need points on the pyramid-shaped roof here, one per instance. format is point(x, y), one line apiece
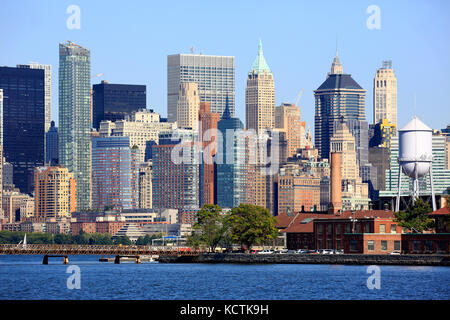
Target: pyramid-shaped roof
point(260, 64)
point(339, 81)
point(415, 125)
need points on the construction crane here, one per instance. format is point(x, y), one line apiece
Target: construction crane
point(299, 96)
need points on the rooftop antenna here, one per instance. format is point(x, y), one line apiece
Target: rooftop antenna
point(192, 49)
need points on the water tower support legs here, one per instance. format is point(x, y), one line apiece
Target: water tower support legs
point(399, 185)
point(433, 199)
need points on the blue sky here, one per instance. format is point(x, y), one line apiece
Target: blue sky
point(130, 40)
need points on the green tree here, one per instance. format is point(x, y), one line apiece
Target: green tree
point(415, 217)
point(252, 225)
point(123, 241)
point(210, 229)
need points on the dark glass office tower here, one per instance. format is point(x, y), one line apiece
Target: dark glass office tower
point(114, 101)
point(339, 98)
point(23, 122)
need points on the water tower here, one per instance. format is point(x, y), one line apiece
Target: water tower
point(415, 156)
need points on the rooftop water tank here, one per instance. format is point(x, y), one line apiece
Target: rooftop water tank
point(415, 148)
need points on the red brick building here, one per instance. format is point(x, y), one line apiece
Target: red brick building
point(359, 232)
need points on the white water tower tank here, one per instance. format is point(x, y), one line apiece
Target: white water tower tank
point(415, 148)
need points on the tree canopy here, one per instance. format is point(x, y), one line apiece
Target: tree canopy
point(252, 225)
point(415, 217)
point(211, 229)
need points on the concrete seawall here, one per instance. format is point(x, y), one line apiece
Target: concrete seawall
point(355, 259)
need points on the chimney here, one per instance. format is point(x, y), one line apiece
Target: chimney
point(336, 182)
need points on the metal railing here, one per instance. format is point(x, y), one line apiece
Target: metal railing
point(74, 249)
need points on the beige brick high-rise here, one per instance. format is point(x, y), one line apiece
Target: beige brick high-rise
point(355, 193)
point(55, 192)
point(385, 94)
point(260, 95)
point(188, 106)
point(288, 118)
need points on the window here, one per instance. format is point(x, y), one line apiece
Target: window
point(416, 245)
point(397, 245)
point(370, 245)
point(353, 245)
point(383, 245)
point(393, 228)
point(429, 245)
point(320, 228)
point(382, 228)
point(347, 228)
point(329, 244)
point(367, 228)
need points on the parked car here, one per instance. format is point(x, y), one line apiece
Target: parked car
point(291, 252)
point(265, 251)
point(301, 251)
point(339, 251)
point(253, 251)
point(326, 251)
point(396, 252)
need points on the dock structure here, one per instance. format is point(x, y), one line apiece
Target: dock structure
point(133, 251)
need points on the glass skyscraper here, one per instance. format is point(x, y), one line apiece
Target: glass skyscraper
point(115, 174)
point(23, 122)
point(213, 74)
point(75, 117)
point(339, 98)
point(231, 163)
point(114, 101)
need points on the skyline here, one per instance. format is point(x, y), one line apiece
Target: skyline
point(410, 35)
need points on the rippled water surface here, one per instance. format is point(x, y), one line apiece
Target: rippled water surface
point(24, 277)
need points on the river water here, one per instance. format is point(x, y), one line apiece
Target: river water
point(24, 277)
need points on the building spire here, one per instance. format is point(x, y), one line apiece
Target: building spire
point(260, 64)
point(336, 66)
point(226, 113)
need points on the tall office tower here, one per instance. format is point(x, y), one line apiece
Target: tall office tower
point(260, 95)
point(344, 142)
point(75, 117)
point(51, 145)
point(213, 74)
point(143, 128)
point(385, 94)
point(55, 195)
point(339, 98)
point(145, 185)
point(231, 163)
point(208, 122)
point(47, 88)
point(288, 118)
point(175, 183)
point(115, 174)
point(114, 101)
point(23, 122)
point(188, 106)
